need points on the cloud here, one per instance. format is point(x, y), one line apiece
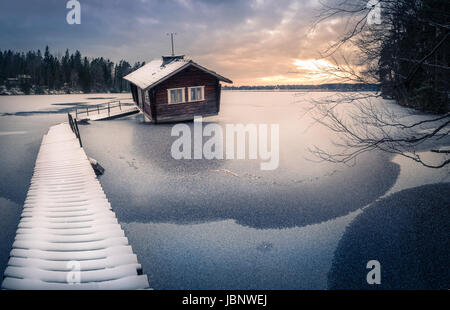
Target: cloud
point(247, 41)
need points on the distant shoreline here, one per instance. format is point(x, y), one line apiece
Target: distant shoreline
point(227, 90)
point(298, 90)
point(62, 94)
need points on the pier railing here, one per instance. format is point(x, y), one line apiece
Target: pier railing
point(97, 109)
point(74, 126)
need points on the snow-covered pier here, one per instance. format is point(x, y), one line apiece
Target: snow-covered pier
point(105, 111)
point(68, 236)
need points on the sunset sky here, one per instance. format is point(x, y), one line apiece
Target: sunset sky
point(255, 42)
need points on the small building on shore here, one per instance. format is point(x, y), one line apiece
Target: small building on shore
point(175, 88)
point(21, 79)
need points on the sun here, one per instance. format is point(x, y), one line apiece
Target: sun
point(305, 71)
point(312, 65)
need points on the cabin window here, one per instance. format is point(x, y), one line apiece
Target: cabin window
point(176, 95)
point(196, 93)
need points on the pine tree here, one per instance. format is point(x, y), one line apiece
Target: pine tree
point(69, 72)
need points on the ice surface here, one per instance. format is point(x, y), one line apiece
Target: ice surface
point(191, 225)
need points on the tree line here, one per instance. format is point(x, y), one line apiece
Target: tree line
point(414, 57)
point(70, 72)
point(406, 50)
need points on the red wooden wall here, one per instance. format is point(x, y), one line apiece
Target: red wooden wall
point(189, 77)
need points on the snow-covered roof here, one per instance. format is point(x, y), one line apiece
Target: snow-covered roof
point(159, 70)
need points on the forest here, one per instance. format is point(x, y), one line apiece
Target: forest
point(405, 50)
point(35, 73)
point(414, 60)
point(406, 53)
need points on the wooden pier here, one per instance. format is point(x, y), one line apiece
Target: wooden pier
point(104, 111)
point(68, 236)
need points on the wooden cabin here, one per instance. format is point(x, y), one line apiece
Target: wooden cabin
point(174, 88)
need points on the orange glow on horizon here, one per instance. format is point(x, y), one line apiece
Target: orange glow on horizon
point(304, 71)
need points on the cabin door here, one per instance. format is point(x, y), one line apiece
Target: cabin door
point(146, 100)
point(140, 100)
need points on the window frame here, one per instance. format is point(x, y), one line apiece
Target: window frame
point(183, 97)
point(202, 92)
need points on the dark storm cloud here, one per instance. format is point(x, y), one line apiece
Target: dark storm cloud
point(246, 40)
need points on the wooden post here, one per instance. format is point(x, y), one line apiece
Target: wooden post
point(108, 110)
point(70, 120)
point(87, 111)
point(98, 109)
point(77, 134)
point(120, 107)
point(76, 112)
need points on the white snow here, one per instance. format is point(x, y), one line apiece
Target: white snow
point(67, 217)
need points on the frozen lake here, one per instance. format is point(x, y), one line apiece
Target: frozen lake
point(212, 224)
